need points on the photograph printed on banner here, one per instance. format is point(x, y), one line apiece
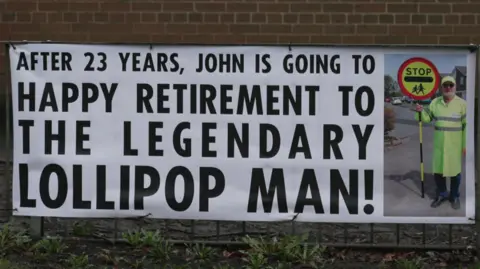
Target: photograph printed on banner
point(425, 135)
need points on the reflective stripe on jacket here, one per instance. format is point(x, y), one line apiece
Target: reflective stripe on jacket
point(449, 137)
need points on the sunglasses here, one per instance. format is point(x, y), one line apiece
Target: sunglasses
point(448, 85)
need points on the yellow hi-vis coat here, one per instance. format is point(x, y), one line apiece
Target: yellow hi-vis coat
point(449, 135)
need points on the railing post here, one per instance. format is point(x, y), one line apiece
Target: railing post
point(477, 150)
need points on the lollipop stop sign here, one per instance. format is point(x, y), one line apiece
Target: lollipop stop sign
point(418, 78)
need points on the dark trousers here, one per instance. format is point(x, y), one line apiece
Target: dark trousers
point(441, 183)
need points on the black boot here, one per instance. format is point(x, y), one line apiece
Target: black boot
point(455, 191)
point(438, 201)
point(442, 193)
point(456, 203)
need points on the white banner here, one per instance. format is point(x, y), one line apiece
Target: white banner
point(241, 133)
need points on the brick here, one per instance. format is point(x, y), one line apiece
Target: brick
point(9, 17)
point(215, 18)
point(370, 19)
point(261, 18)
point(52, 6)
point(81, 6)
point(55, 28)
point(119, 38)
point(436, 30)
point(178, 6)
point(197, 39)
point(70, 17)
point(338, 8)
point(403, 30)
point(195, 17)
point(467, 19)
point(69, 37)
point(23, 17)
point(178, 29)
point(403, 19)
point(323, 18)
point(85, 17)
point(149, 17)
point(435, 19)
point(265, 39)
point(28, 28)
point(370, 8)
point(55, 17)
point(435, 8)
point(161, 17)
point(278, 29)
point(325, 39)
point(290, 18)
point(242, 18)
point(140, 28)
point(229, 39)
point(354, 18)
point(146, 6)
point(209, 7)
point(339, 29)
point(452, 19)
point(136, 17)
point(371, 29)
point(242, 7)
point(466, 29)
point(101, 17)
point(419, 19)
point(245, 28)
point(338, 18)
point(466, 8)
point(164, 38)
point(308, 29)
point(116, 6)
point(355, 39)
point(402, 8)
point(292, 39)
point(306, 7)
point(19, 36)
point(21, 6)
point(386, 18)
point(39, 17)
point(117, 18)
point(177, 17)
point(223, 18)
point(277, 18)
point(390, 39)
point(455, 40)
point(421, 40)
point(102, 28)
point(212, 28)
point(264, 7)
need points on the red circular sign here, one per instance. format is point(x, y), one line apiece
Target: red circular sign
point(418, 78)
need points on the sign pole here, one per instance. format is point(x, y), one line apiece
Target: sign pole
point(419, 79)
point(422, 171)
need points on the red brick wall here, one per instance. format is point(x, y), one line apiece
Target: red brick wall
point(242, 21)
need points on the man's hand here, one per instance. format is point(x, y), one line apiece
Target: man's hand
point(418, 108)
point(464, 151)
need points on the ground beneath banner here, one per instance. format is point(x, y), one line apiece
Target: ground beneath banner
point(142, 248)
point(53, 254)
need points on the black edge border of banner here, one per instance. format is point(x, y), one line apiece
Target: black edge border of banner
point(471, 47)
